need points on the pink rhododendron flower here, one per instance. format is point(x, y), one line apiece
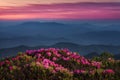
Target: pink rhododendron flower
point(54, 59)
point(68, 53)
point(108, 71)
point(11, 68)
point(96, 64)
point(66, 58)
point(48, 53)
point(7, 62)
point(2, 63)
point(79, 71)
point(53, 71)
point(38, 63)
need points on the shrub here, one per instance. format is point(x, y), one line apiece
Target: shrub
point(57, 64)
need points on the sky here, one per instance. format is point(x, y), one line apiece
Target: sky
point(59, 9)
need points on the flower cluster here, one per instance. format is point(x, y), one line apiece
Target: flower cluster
point(48, 63)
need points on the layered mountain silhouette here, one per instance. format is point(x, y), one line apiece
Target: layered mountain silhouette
point(34, 33)
point(94, 37)
point(88, 51)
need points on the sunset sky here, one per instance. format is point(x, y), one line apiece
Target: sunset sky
point(59, 9)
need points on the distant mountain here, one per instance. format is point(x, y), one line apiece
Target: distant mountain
point(33, 23)
point(82, 49)
point(65, 45)
point(33, 28)
point(33, 33)
point(14, 51)
point(115, 27)
point(99, 37)
point(91, 55)
point(52, 29)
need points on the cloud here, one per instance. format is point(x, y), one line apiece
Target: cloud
point(62, 11)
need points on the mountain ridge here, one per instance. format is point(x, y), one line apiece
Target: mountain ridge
point(82, 49)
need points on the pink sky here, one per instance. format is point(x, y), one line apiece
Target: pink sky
point(72, 10)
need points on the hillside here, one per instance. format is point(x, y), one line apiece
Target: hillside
point(57, 64)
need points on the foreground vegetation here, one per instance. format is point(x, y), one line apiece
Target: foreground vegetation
point(58, 64)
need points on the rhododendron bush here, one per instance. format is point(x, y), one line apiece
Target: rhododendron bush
point(57, 64)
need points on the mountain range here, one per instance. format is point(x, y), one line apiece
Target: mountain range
point(87, 50)
point(33, 33)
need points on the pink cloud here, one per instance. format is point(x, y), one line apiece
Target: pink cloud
point(63, 11)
